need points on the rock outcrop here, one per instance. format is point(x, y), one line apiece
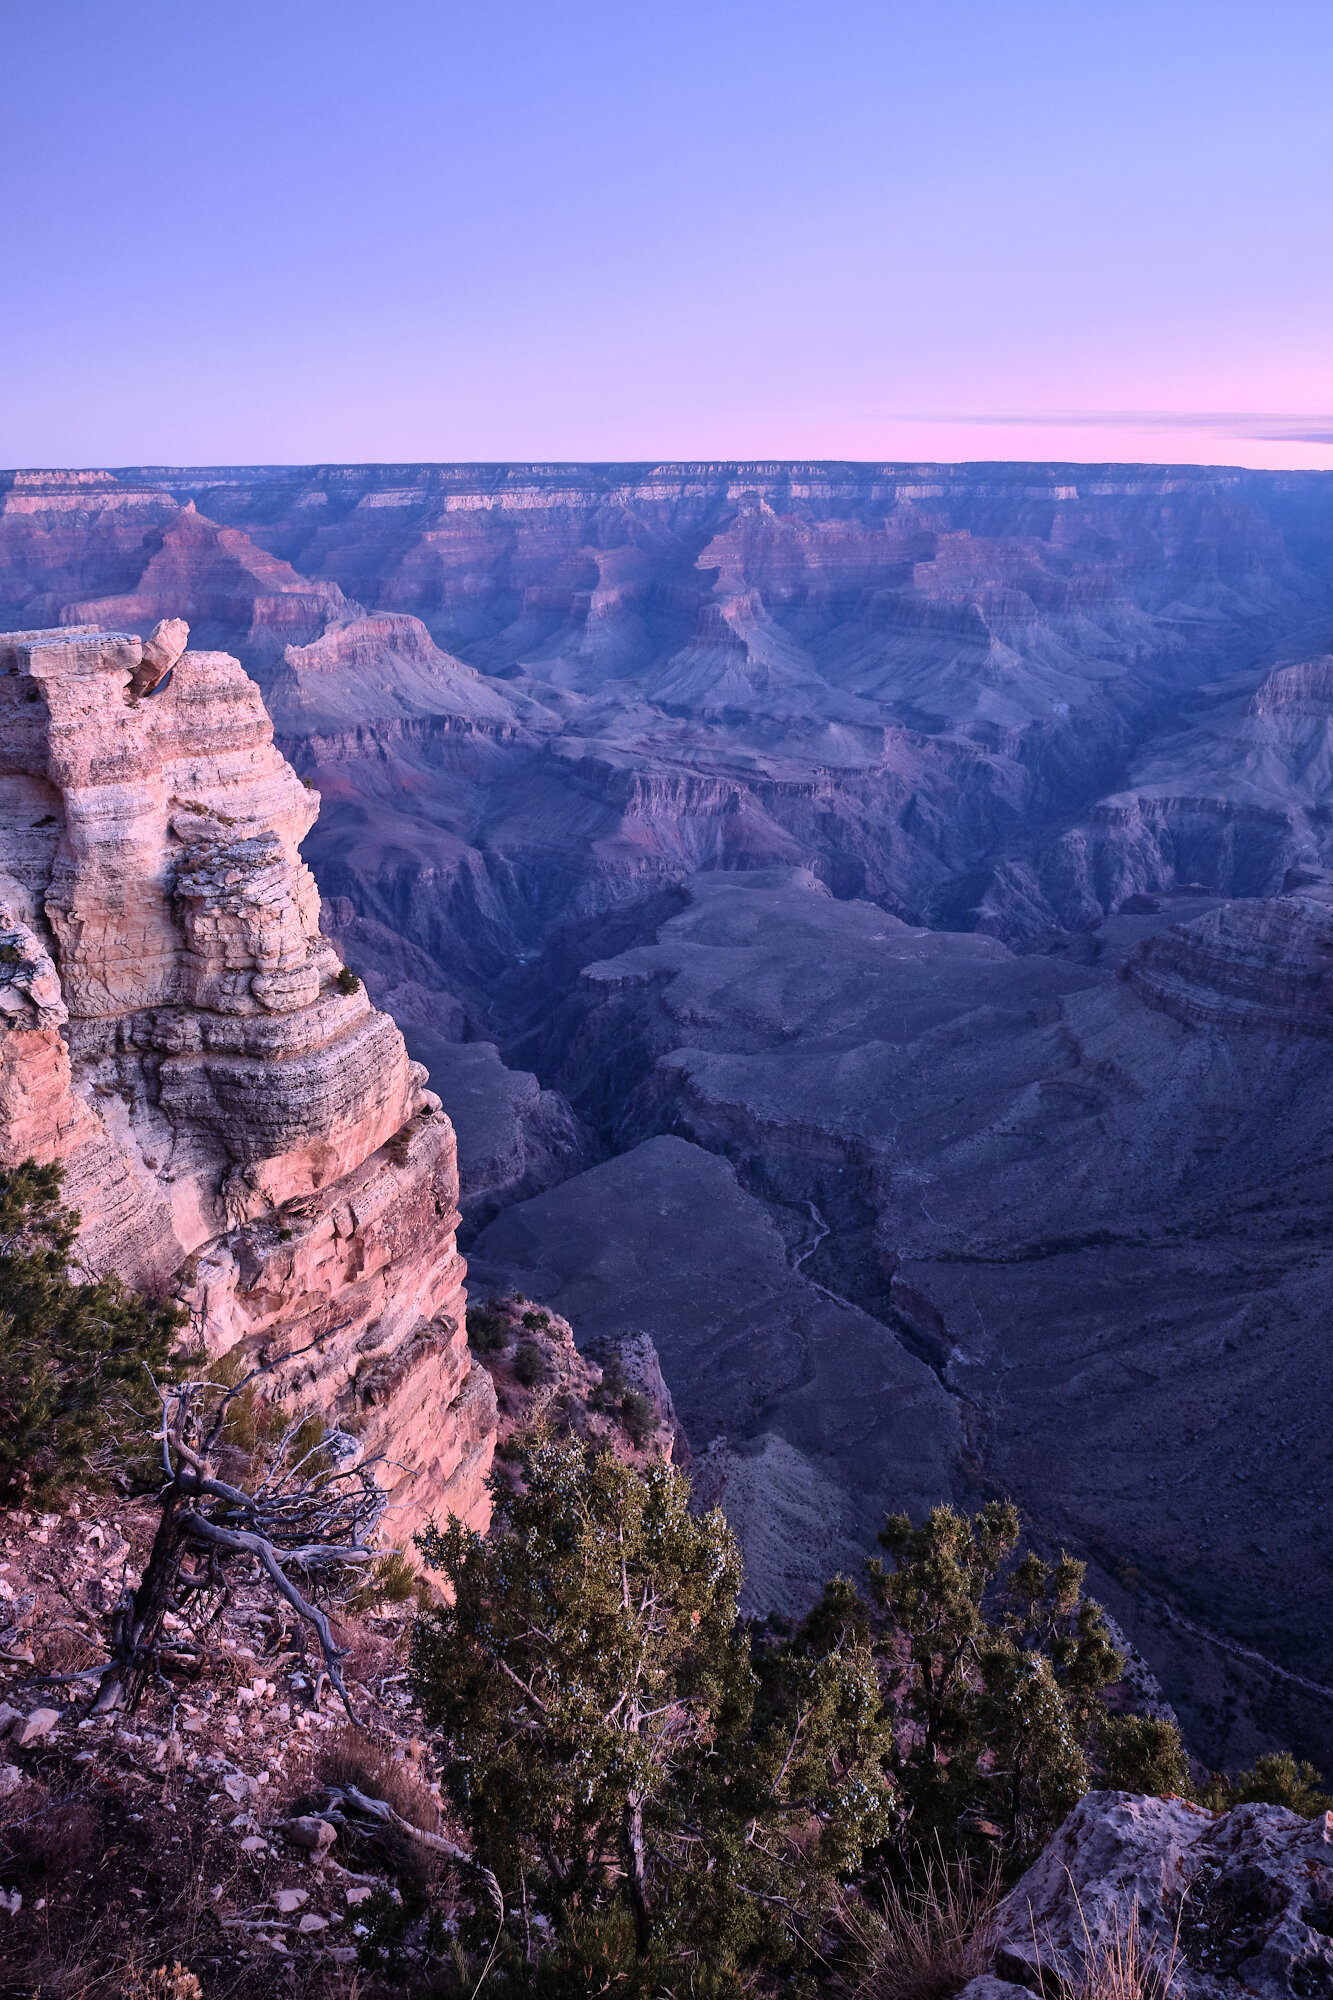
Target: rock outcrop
point(1223, 1905)
point(1265, 965)
point(234, 1117)
point(222, 582)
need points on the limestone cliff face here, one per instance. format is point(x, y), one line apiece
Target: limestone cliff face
point(172, 1028)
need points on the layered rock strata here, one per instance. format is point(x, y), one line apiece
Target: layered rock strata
point(1264, 964)
point(235, 1119)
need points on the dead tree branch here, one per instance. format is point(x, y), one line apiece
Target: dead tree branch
point(310, 1506)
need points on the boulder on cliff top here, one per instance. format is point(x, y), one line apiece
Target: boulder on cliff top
point(1216, 1902)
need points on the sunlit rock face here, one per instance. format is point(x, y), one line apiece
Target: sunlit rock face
point(176, 1033)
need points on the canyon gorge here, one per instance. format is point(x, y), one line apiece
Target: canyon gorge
point(870, 929)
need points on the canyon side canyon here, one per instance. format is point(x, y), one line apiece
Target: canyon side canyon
point(869, 927)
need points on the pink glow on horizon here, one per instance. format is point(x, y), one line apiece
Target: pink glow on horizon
point(568, 229)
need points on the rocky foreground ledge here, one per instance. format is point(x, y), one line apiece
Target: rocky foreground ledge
point(1217, 1904)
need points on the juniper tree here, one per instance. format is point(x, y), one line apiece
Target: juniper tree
point(999, 1669)
point(610, 1733)
point(77, 1357)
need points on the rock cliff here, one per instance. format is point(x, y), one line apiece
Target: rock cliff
point(235, 1118)
point(1262, 964)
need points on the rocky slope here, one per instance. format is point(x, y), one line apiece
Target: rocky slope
point(200, 1831)
point(235, 1119)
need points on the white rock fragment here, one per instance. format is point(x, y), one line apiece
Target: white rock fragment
point(33, 1727)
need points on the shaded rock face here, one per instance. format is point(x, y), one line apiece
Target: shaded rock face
point(1232, 1903)
point(1100, 1228)
point(173, 1031)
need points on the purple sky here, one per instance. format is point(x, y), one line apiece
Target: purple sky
point(285, 230)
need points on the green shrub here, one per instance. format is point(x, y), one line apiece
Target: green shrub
point(76, 1394)
point(529, 1366)
point(1274, 1780)
point(638, 1415)
point(536, 1321)
point(488, 1329)
point(346, 980)
point(1142, 1753)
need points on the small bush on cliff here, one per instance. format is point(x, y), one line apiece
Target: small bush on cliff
point(75, 1357)
point(487, 1329)
point(529, 1366)
point(638, 1415)
point(346, 980)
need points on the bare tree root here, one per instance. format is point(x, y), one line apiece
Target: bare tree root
point(351, 1809)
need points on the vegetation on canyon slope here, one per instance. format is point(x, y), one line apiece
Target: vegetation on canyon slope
point(631, 1758)
point(666, 1798)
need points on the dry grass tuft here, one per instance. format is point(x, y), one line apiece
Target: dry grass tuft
point(165, 1982)
point(1123, 1966)
point(63, 1650)
point(927, 1940)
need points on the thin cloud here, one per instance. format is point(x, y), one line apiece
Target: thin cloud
point(1271, 424)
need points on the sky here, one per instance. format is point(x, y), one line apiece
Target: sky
point(284, 231)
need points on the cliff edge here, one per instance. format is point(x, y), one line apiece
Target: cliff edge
point(237, 1123)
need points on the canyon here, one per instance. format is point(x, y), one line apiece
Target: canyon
point(871, 928)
